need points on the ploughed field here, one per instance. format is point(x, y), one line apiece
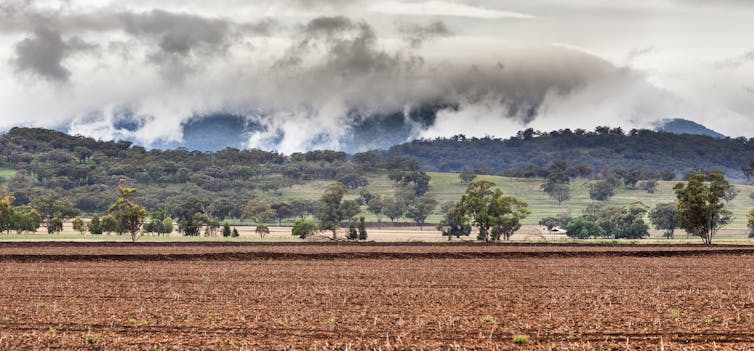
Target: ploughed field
point(183, 296)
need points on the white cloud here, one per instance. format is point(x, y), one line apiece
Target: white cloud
point(441, 8)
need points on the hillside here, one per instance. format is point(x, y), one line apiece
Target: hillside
point(85, 172)
point(447, 187)
point(684, 126)
point(600, 149)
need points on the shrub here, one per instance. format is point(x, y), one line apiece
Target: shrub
point(303, 229)
point(581, 228)
point(520, 339)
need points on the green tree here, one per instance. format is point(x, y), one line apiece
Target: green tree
point(283, 210)
point(549, 222)
point(6, 213)
point(376, 206)
point(50, 205)
point(95, 227)
point(701, 211)
point(393, 208)
point(334, 210)
point(650, 186)
point(362, 229)
point(601, 190)
point(226, 230)
point(475, 204)
point(235, 233)
point(167, 225)
point(663, 217)
point(508, 212)
point(262, 230)
point(353, 234)
point(455, 223)
point(213, 224)
point(750, 222)
point(259, 212)
point(55, 226)
point(129, 215)
point(110, 225)
point(25, 219)
point(581, 228)
point(79, 225)
point(495, 215)
point(304, 229)
point(730, 193)
point(467, 177)
point(420, 208)
point(558, 192)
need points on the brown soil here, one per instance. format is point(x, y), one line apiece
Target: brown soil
point(191, 296)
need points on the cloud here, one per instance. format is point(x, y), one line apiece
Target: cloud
point(416, 34)
point(355, 74)
point(442, 8)
point(736, 62)
point(43, 54)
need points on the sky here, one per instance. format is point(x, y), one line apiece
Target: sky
point(308, 73)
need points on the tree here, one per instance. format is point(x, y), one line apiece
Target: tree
point(304, 229)
point(130, 216)
point(259, 212)
point(167, 225)
point(420, 209)
point(393, 208)
point(55, 225)
point(283, 210)
point(110, 225)
point(730, 193)
point(650, 186)
point(581, 228)
point(95, 227)
point(262, 230)
point(750, 222)
point(467, 177)
point(301, 208)
point(558, 192)
point(235, 233)
point(25, 219)
point(508, 212)
point(455, 223)
point(362, 229)
point(494, 214)
point(334, 210)
point(49, 206)
point(353, 234)
point(226, 230)
point(79, 225)
point(6, 213)
point(475, 204)
point(376, 206)
point(549, 222)
point(701, 211)
point(663, 217)
point(601, 190)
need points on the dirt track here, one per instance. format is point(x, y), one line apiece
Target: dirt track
point(410, 296)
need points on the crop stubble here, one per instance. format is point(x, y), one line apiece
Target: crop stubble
point(181, 296)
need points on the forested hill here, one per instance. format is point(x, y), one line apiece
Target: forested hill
point(600, 149)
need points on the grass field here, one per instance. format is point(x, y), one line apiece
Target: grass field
point(447, 187)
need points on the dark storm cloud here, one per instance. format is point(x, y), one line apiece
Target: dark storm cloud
point(416, 34)
point(43, 54)
point(178, 43)
point(349, 47)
